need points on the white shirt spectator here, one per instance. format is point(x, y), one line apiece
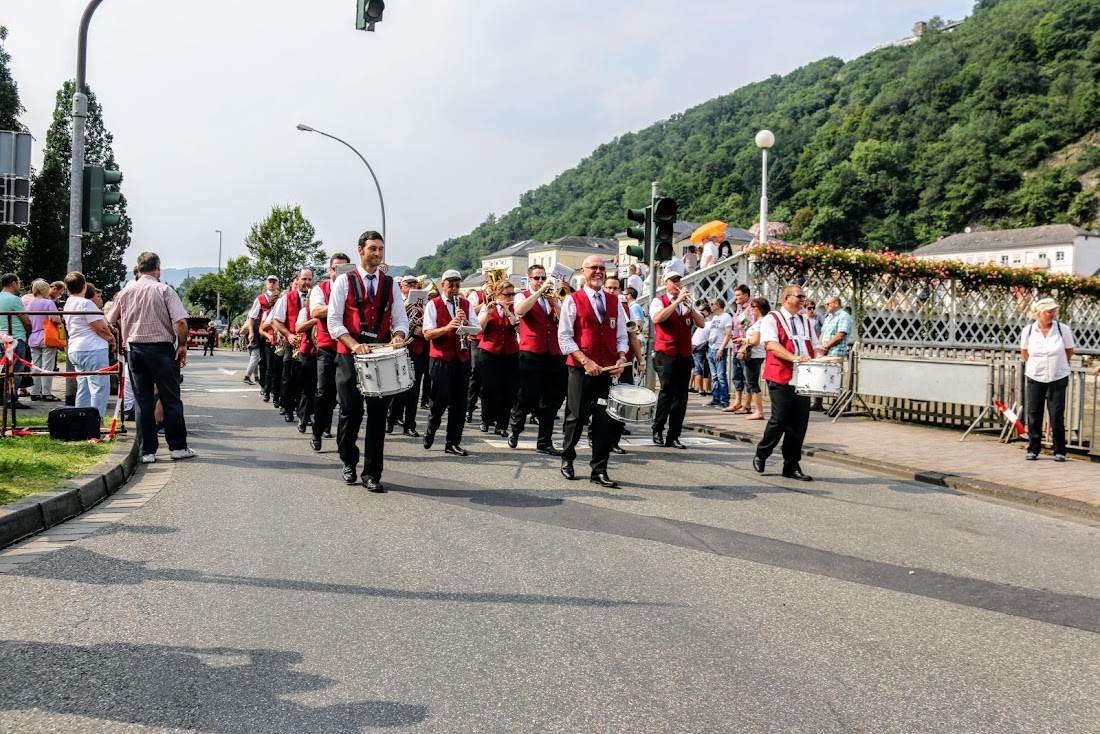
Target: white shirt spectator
point(718, 327)
point(568, 317)
point(797, 327)
point(699, 337)
point(759, 351)
point(635, 281)
point(82, 337)
point(710, 255)
point(399, 319)
point(1047, 360)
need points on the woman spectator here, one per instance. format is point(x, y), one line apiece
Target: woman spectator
point(43, 357)
point(90, 341)
point(1046, 347)
point(752, 365)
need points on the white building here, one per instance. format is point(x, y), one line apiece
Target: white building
point(1055, 248)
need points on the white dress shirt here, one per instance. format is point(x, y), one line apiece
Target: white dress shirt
point(658, 305)
point(317, 298)
point(399, 319)
point(1046, 355)
point(797, 328)
point(566, 339)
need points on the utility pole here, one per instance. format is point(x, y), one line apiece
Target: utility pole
point(80, 113)
point(218, 308)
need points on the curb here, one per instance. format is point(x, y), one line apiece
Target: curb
point(925, 476)
point(31, 515)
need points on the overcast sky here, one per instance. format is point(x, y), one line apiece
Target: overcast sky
point(460, 107)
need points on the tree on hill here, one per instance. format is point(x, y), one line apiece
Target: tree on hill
point(283, 243)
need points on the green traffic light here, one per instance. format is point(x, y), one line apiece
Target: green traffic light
point(643, 217)
point(367, 13)
point(96, 196)
point(664, 217)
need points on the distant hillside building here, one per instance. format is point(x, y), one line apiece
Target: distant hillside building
point(1056, 248)
point(571, 251)
point(918, 30)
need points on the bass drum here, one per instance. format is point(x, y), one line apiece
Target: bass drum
point(385, 371)
point(631, 404)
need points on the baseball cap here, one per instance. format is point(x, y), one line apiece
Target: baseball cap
point(452, 275)
point(273, 277)
point(411, 279)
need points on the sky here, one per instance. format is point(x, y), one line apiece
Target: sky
point(459, 107)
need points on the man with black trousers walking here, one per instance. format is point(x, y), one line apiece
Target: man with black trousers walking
point(325, 402)
point(542, 375)
point(449, 363)
point(673, 316)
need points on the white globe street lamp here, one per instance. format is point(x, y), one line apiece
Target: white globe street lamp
point(764, 140)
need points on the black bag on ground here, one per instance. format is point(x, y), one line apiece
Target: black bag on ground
point(73, 424)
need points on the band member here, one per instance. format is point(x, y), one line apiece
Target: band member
point(366, 308)
point(449, 365)
point(542, 374)
point(789, 337)
point(261, 307)
point(285, 321)
point(477, 301)
point(592, 332)
point(673, 316)
point(326, 354)
point(306, 327)
point(403, 408)
point(499, 358)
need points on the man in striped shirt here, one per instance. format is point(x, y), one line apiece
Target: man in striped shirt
point(154, 328)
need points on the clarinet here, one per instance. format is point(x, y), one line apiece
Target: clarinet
point(462, 345)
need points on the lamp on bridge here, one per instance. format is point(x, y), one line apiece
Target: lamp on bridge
point(764, 140)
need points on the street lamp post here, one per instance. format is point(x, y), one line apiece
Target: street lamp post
point(764, 140)
point(381, 203)
point(218, 308)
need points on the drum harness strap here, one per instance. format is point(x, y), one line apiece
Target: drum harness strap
point(360, 300)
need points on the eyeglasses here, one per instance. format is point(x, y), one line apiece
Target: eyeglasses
point(611, 288)
point(537, 277)
point(799, 296)
point(511, 294)
point(594, 267)
point(810, 308)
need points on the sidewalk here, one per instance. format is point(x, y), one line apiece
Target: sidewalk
point(934, 455)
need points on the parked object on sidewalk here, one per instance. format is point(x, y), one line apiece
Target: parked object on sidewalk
point(73, 424)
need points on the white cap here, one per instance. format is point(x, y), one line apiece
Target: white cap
point(273, 277)
point(452, 275)
point(409, 278)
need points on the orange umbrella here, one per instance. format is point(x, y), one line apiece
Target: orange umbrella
point(710, 229)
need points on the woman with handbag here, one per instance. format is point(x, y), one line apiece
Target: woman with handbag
point(45, 338)
point(751, 353)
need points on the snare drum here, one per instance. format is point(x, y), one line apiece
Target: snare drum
point(817, 378)
point(385, 371)
point(631, 404)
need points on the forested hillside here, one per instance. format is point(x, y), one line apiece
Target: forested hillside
point(993, 124)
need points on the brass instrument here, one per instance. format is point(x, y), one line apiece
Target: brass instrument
point(415, 311)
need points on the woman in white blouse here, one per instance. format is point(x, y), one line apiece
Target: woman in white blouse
point(1046, 347)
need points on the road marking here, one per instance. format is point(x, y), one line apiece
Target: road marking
point(218, 389)
point(225, 371)
point(639, 443)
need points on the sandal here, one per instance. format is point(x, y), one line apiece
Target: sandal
point(736, 407)
point(729, 410)
point(755, 417)
point(49, 398)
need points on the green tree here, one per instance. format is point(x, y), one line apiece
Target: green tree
point(48, 233)
point(284, 242)
point(12, 242)
point(235, 285)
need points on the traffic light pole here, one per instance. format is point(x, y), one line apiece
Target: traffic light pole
point(650, 376)
point(80, 114)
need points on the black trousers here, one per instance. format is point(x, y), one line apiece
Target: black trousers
point(325, 402)
point(789, 419)
point(1053, 395)
point(586, 398)
point(155, 365)
point(403, 408)
point(542, 387)
point(450, 382)
point(672, 401)
point(475, 379)
point(273, 380)
point(426, 385)
point(288, 392)
point(352, 404)
point(307, 386)
point(499, 382)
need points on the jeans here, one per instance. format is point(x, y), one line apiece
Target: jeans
point(719, 382)
point(739, 378)
point(91, 391)
point(699, 360)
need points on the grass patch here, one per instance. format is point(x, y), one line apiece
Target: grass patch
point(30, 464)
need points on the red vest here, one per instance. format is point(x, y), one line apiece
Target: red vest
point(538, 331)
point(598, 341)
point(370, 312)
point(499, 336)
point(324, 339)
point(446, 347)
point(673, 335)
point(265, 309)
point(780, 370)
point(294, 306)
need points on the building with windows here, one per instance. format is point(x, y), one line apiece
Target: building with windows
point(1055, 248)
point(571, 252)
point(512, 258)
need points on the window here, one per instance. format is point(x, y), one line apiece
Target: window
point(1004, 259)
point(1042, 256)
point(1059, 256)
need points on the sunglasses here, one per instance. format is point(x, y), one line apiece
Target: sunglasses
point(537, 277)
point(594, 267)
point(799, 296)
point(511, 294)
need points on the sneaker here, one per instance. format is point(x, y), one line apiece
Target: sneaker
point(148, 458)
point(248, 380)
point(1031, 457)
point(183, 454)
point(1059, 457)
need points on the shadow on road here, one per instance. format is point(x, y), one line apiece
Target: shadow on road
point(193, 689)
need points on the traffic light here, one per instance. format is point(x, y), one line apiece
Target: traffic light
point(97, 196)
point(664, 216)
point(368, 12)
point(644, 217)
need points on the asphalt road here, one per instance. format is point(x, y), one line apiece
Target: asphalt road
point(258, 593)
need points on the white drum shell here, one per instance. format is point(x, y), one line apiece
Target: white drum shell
point(385, 371)
point(631, 404)
point(818, 379)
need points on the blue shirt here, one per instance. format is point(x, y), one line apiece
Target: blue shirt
point(12, 302)
point(841, 321)
point(637, 313)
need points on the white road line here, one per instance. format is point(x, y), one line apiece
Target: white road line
point(638, 443)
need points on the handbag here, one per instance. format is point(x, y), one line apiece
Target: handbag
point(54, 335)
point(744, 353)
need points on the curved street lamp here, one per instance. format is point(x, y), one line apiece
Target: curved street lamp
point(765, 139)
point(381, 203)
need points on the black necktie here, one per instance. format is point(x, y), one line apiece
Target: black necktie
point(370, 286)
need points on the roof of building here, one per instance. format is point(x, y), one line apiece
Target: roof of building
point(999, 239)
point(576, 242)
point(518, 249)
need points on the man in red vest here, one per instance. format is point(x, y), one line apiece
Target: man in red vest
point(261, 307)
point(285, 320)
point(592, 332)
point(542, 375)
point(789, 337)
point(449, 365)
point(403, 409)
point(365, 308)
point(673, 317)
point(325, 402)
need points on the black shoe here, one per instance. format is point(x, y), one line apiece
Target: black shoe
point(411, 433)
point(289, 417)
point(373, 485)
point(266, 397)
point(513, 440)
point(248, 380)
point(129, 415)
point(301, 427)
point(429, 438)
point(425, 405)
point(469, 417)
point(603, 480)
point(18, 406)
point(567, 470)
point(674, 443)
point(758, 464)
point(797, 474)
point(659, 438)
point(389, 428)
point(549, 450)
point(616, 449)
point(625, 432)
point(327, 434)
point(315, 443)
point(349, 474)
point(455, 450)
point(484, 427)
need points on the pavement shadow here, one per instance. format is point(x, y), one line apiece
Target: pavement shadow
point(116, 528)
point(187, 688)
point(79, 565)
